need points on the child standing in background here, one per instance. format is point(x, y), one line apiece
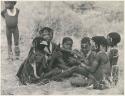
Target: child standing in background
point(10, 14)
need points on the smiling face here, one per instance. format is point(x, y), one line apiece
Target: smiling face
point(85, 47)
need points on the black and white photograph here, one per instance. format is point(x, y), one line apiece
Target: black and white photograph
point(62, 47)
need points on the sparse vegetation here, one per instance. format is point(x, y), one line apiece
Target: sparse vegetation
point(75, 19)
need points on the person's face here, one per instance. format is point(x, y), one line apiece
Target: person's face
point(9, 5)
point(68, 45)
point(93, 45)
point(109, 40)
point(85, 47)
point(47, 36)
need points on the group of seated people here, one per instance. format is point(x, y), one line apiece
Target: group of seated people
point(95, 62)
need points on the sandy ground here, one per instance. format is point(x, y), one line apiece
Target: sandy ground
point(9, 81)
point(10, 84)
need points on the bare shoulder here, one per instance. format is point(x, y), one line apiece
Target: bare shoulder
point(102, 56)
point(3, 11)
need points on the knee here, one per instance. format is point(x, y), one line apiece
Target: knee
point(74, 68)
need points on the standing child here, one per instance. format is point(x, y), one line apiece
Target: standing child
point(64, 58)
point(10, 14)
point(113, 39)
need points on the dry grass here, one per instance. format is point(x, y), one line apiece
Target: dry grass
point(102, 18)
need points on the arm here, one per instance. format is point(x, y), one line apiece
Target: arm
point(66, 50)
point(62, 64)
point(3, 13)
point(34, 70)
point(94, 64)
point(17, 10)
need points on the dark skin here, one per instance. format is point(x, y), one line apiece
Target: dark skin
point(67, 46)
point(68, 71)
point(48, 36)
point(86, 47)
point(9, 5)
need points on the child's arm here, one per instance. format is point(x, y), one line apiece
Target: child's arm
point(3, 13)
point(66, 50)
point(62, 64)
point(34, 70)
point(18, 11)
point(94, 65)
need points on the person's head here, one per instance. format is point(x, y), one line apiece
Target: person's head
point(67, 43)
point(9, 4)
point(100, 43)
point(93, 45)
point(113, 39)
point(46, 33)
point(85, 45)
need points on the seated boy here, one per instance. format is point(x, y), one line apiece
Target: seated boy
point(113, 39)
point(63, 58)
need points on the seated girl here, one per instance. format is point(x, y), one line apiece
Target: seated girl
point(36, 62)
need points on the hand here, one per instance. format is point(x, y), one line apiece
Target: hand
point(49, 58)
point(36, 76)
point(83, 65)
point(72, 60)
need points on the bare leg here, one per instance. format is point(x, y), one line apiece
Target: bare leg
point(16, 42)
point(9, 41)
point(65, 74)
point(52, 73)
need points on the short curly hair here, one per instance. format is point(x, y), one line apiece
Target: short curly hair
point(115, 38)
point(100, 40)
point(47, 29)
point(65, 39)
point(14, 2)
point(85, 40)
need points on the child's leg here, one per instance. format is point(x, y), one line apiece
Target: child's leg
point(52, 73)
point(16, 41)
point(92, 79)
point(9, 41)
point(115, 73)
point(65, 74)
point(83, 71)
